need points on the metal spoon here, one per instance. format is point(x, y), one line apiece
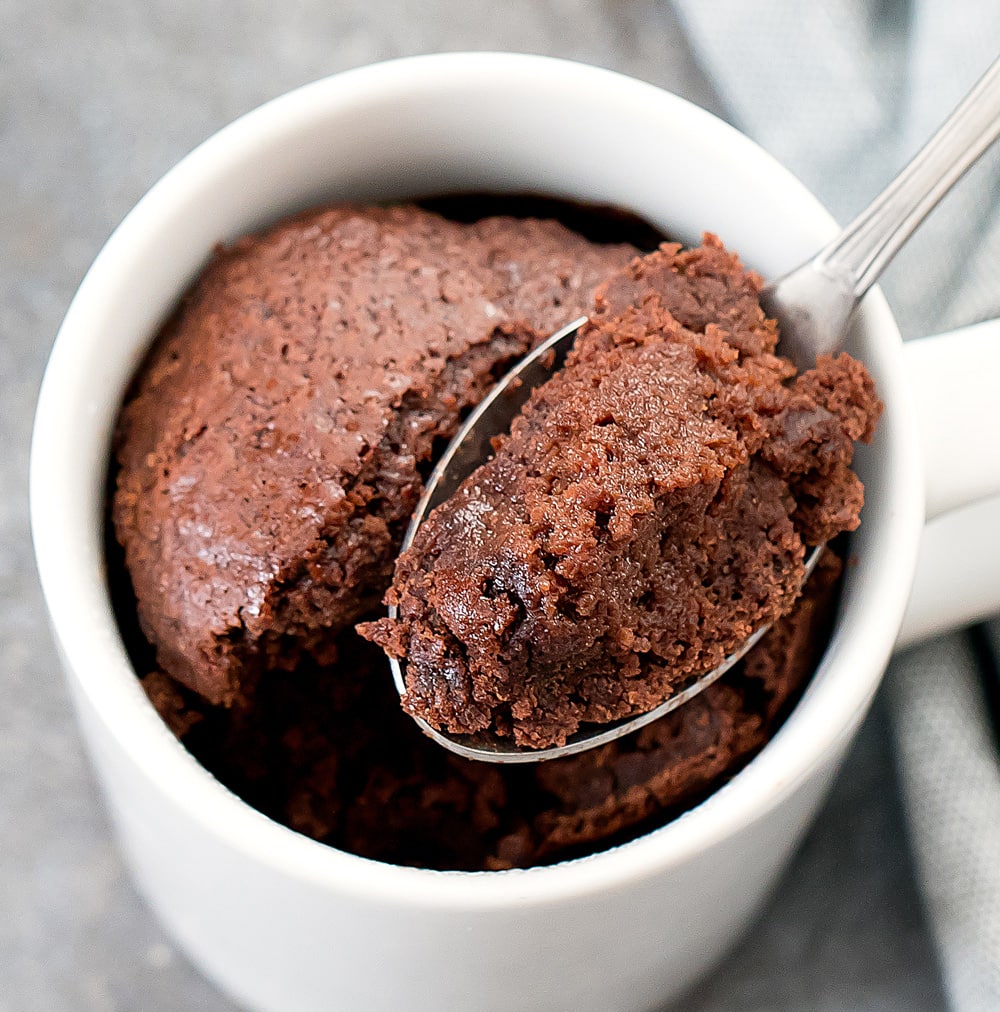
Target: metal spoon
point(813, 306)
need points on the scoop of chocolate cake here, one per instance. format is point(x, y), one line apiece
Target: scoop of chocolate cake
point(272, 448)
point(649, 510)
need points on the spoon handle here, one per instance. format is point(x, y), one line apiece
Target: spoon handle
point(872, 239)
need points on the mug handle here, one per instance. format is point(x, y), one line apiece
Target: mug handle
point(955, 379)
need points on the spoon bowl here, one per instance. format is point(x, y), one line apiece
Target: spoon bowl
point(469, 448)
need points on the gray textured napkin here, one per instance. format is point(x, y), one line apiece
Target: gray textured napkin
point(843, 92)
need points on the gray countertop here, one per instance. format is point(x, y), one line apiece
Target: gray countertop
point(98, 100)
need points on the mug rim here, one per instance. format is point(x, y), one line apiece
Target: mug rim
point(90, 646)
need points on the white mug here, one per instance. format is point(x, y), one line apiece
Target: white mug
point(284, 923)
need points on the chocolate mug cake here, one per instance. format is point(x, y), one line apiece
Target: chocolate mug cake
point(268, 456)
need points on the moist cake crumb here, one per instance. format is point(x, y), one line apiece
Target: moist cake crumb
point(649, 510)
